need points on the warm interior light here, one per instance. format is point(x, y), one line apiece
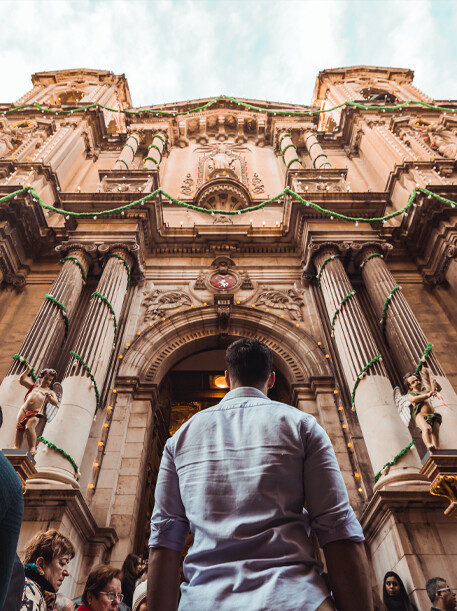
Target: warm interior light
point(218, 381)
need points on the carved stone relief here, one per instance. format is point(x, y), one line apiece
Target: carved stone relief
point(257, 184)
point(160, 303)
point(186, 187)
point(290, 302)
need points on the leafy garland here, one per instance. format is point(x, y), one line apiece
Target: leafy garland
point(124, 261)
point(394, 460)
point(22, 359)
point(175, 113)
point(110, 307)
point(287, 191)
point(91, 376)
point(420, 364)
point(62, 309)
point(327, 260)
point(372, 256)
point(338, 309)
point(62, 452)
point(384, 309)
point(361, 375)
point(78, 263)
point(158, 136)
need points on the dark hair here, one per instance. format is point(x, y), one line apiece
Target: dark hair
point(130, 566)
point(249, 362)
point(98, 579)
point(51, 372)
point(390, 601)
point(409, 375)
point(433, 585)
point(50, 544)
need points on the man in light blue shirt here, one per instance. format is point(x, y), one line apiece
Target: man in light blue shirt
point(238, 475)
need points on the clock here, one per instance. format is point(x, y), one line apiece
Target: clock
point(223, 282)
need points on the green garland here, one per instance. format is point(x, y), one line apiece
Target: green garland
point(151, 159)
point(394, 460)
point(78, 263)
point(283, 136)
point(338, 309)
point(62, 309)
point(327, 260)
point(60, 451)
point(386, 305)
point(160, 137)
point(292, 160)
point(175, 113)
point(22, 359)
point(372, 256)
point(122, 161)
point(287, 191)
point(154, 146)
point(291, 144)
point(91, 376)
point(110, 307)
point(359, 376)
point(420, 364)
point(126, 265)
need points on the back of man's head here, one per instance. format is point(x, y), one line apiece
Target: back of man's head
point(433, 585)
point(249, 362)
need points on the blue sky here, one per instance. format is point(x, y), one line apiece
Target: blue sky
point(174, 50)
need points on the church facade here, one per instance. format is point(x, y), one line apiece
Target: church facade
point(144, 248)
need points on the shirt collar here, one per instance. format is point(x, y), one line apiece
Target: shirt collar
point(244, 391)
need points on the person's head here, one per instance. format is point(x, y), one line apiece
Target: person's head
point(63, 603)
point(412, 382)
point(139, 597)
point(132, 565)
point(249, 363)
point(394, 591)
point(102, 591)
point(51, 552)
point(47, 377)
point(441, 594)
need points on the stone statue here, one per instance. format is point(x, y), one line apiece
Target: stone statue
point(221, 160)
point(443, 140)
point(36, 406)
point(420, 388)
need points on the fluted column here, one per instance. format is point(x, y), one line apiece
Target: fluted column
point(318, 157)
point(406, 340)
point(45, 336)
point(155, 152)
point(383, 431)
point(86, 372)
point(288, 152)
point(125, 159)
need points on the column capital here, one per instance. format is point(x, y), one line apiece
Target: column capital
point(314, 248)
point(87, 250)
point(130, 251)
point(361, 250)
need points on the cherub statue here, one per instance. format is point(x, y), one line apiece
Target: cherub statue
point(41, 401)
point(420, 388)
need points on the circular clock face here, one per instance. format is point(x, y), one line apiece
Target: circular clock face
point(223, 282)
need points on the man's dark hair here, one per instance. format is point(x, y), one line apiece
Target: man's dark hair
point(249, 362)
point(433, 585)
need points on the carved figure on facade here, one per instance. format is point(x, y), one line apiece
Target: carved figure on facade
point(12, 136)
point(420, 389)
point(222, 162)
point(222, 219)
point(200, 282)
point(257, 184)
point(41, 401)
point(438, 138)
point(159, 303)
point(186, 187)
point(289, 301)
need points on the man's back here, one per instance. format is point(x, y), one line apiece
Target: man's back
point(239, 474)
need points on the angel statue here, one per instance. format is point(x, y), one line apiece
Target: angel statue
point(420, 388)
point(41, 401)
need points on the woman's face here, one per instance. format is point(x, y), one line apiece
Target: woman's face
point(392, 587)
point(103, 602)
point(55, 571)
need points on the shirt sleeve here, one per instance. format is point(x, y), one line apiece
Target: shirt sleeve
point(169, 525)
point(332, 517)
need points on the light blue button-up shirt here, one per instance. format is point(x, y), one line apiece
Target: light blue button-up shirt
point(238, 474)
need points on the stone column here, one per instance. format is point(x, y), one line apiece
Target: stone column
point(45, 336)
point(318, 157)
point(383, 431)
point(125, 159)
point(155, 152)
point(288, 152)
point(70, 428)
point(404, 336)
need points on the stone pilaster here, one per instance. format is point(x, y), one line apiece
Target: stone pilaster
point(45, 336)
point(155, 152)
point(70, 428)
point(318, 157)
point(125, 159)
point(383, 431)
point(288, 152)
point(404, 336)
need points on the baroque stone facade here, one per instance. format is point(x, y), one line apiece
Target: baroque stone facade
point(154, 293)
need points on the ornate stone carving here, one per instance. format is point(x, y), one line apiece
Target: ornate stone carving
point(160, 303)
point(246, 284)
point(222, 162)
point(289, 301)
point(186, 187)
point(257, 184)
point(223, 306)
point(221, 219)
point(200, 282)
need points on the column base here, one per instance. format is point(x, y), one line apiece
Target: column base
point(53, 476)
point(401, 476)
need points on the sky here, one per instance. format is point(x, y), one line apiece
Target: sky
point(174, 50)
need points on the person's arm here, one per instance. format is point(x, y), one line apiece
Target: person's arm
point(51, 397)
point(418, 398)
point(23, 379)
point(348, 571)
point(163, 579)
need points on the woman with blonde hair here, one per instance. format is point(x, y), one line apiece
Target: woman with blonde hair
point(46, 561)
